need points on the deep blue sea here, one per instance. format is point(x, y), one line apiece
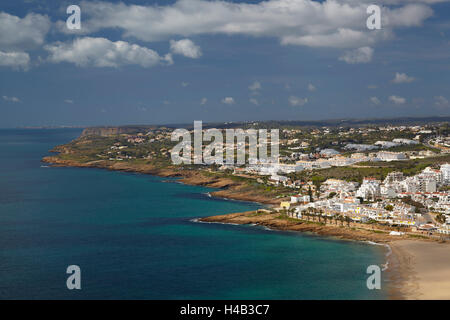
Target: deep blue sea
point(133, 237)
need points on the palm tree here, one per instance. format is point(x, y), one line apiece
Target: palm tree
point(348, 220)
point(341, 219)
point(308, 213)
point(312, 214)
point(336, 218)
point(290, 212)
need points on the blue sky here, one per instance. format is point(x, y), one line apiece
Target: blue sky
point(154, 62)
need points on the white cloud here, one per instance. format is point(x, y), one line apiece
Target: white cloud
point(372, 86)
point(101, 52)
point(184, 84)
point(360, 55)
point(254, 101)
point(185, 48)
point(331, 23)
point(255, 86)
point(167, 59)
point(228, 100)
point(441, 101)
point(402, 78)
point(397, 100)
point(414, 1)
point(296, 101)
point(203, 101)
point(411, 15)
point(69, 101)
point(19, 34)
point(16, 60)
point(11, 99)
point(342, 38)
point(311, 87)
point(375, 100)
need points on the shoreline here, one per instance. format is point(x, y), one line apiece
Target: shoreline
point(405, 278)
point(228, 188)
point(274, 222)
point(409, 271)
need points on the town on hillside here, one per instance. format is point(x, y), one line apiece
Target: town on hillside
point(386, 175)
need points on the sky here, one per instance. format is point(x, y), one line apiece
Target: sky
point(165, 62)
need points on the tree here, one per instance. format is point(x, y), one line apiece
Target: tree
point(340, 218)
point(389, 207)
point(441, 218)
point(320, 215)
point(303, 213)
point(348, 220)
point(308, 213)
point(310, 194)
point(336, 218)
point(290, 212)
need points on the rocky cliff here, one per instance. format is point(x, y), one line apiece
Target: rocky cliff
point(109, 131)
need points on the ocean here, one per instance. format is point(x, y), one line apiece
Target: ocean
point(133, 236)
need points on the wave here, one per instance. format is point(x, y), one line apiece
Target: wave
point(385, 265)
point(197, 220)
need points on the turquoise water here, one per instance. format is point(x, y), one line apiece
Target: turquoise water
point(133, 238)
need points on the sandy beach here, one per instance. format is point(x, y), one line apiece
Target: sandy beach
point(419, 270)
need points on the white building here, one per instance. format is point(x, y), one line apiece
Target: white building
point(426, 183)
point(405, 141)
point(394, 177)
point(388, 191)
point(391, 156)
point(445, 170)
point(386, 144)
point(300, 199)
point(436, 174)
point(409, 185)
point(369, 189)
point(329, 153)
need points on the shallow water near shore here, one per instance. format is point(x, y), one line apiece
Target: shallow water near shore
point(133, 237)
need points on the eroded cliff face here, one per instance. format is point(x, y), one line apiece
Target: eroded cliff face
point(110, 131)
point(99, 131)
